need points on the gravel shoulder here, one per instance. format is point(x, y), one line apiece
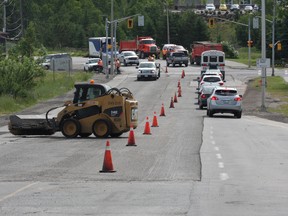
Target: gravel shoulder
point(252, 102)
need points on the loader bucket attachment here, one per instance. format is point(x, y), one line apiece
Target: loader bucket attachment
point(30, 125)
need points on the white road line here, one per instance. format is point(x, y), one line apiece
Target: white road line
point(224, 176)
point(18, 191)
point(216, 148)
point(221, 165)
point(213, 142)
point(219, 156)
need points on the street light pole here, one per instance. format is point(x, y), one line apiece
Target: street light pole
point(263, 52)
point(168, 30)
point(273, 38)
point(249, 39)
point(112, 37)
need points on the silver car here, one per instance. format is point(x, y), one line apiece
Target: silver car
point(148, 70)
point(128, 58)
point(224, 100)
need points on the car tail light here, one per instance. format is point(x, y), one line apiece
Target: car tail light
point(237, 99)
point(214, 98)
point(221, 83)
point(204, 65)
point(221, 65)
point(203, 96)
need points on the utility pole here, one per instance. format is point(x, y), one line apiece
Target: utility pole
point(249, 39)
point(168, 28)
point(112, 37)
point(21, 17)
point(273, 38)
point(263, 52)
point(4, 26)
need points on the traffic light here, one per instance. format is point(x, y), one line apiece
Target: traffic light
point(250, 43)
point(211, 23)
point(130, 23)
point(279, 46)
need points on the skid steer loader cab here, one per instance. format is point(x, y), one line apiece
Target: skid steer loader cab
point(96, 109)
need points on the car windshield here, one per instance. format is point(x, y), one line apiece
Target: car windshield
point(226, 92)
point(129, 54)
point(211, 79)
point(93, 61)
point(146, 65)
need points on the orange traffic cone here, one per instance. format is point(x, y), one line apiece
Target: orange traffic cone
point(131, 138)
point(172, 103)
point(162, 112)
point(183, 73)
point(179, 92)
point(155, 121)
point(147, 128)
point(107, 163)
point(179, 84)
point(166, 70)
point(175, 98)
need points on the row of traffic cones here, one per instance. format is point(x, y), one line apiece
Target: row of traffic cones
point(107, 163)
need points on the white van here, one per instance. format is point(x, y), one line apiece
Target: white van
point(213, 59)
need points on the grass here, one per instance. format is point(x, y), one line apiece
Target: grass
point(243, 56)
point(52, 85)
point(277, 89)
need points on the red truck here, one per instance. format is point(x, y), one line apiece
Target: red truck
point(143, 46)
point(200, 46)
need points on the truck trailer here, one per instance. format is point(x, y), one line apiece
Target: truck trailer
point(198, 47)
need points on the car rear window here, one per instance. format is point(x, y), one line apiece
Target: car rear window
point(178, 54)
point(211, 79)
point(226, 92)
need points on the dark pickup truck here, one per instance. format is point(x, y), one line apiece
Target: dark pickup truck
point(177, 58)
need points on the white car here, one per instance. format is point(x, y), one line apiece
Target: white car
point(128, 58)
point(148, 70)
point(91, 64)
point(215, 80)
point(248, 8)
point(235, 7)
point(210, 7)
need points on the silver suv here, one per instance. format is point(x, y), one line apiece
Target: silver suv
point(177, 58)
point(224, 100)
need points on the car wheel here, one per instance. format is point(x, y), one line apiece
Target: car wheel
point(200, 106)
point(207, 112)
point(173, 64)
point(125, 63)
point(238, 114)
point(210, 113)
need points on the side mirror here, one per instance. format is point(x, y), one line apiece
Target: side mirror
point(241, 96)
point(137, 67)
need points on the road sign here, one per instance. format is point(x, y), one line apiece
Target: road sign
point(140, 20)
point(255, 23)
point(263, 63)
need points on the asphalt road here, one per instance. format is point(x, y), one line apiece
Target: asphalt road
point(189, 165)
